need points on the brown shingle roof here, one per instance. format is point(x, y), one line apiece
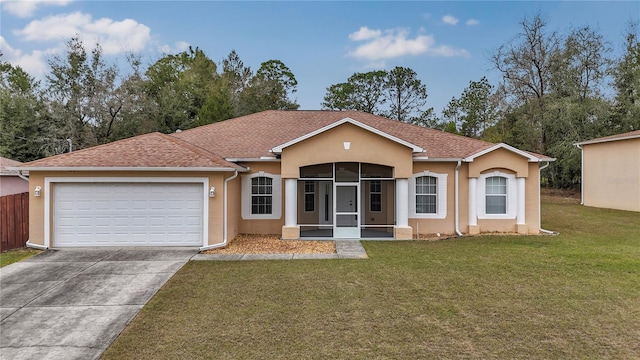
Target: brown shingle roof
point(252, 136)
point(144, 151)
point(623, 136)
point(4, 163)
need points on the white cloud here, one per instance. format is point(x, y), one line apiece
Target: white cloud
point(114, 36)
point(379, 45)
point(364, 33)
point(472, 22)
point(26, 8)
point(448, 19)
point(177, 47)
point(34, 63)
point(448, 51)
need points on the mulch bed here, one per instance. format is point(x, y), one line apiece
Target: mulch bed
point(272, 244)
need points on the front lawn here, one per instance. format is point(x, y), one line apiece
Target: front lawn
point(576, 295)
point(12, 256)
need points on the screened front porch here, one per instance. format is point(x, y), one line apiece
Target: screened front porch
point(346, 200)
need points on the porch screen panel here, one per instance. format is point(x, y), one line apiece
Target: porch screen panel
point(378, 206)
point(316, 222)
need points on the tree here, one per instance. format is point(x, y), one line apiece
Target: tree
point(553, 87)
point(339, 97)
point(405, 93)
point(180, 85)
point(362, 92)
point(527, 65)
point(138, 109)
point(81, 93)
point(475, 111)
point(21, 115)
point(586, 55)
point(625, 115)
point(269, 89)
point(237, 78)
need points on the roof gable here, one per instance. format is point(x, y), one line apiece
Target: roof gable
point(278, 149)
point(530, 157)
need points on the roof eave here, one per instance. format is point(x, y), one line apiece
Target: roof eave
point(428, 159)
point(597, 141)
point(256, 159)
point(130, 168)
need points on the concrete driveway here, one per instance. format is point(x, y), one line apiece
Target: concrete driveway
point(71, 304)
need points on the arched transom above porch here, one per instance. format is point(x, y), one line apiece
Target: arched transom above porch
point(347, 143)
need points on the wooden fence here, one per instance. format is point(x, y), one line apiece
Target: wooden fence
point(14, 221)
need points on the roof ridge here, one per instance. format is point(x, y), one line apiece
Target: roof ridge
point(196, 149)
point(234, 119)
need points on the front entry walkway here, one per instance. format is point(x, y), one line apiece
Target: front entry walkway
point(345, 249)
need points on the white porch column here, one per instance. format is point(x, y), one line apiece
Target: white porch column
point(473, 201)
point(291, 202)
point(474, 229)
point(402, 202)
point(402, 229)
point(521, 201)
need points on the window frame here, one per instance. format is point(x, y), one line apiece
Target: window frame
point(440, 195)
point(309, 195)
point(371, 193)
point(498, 195)
point(248, 196)
point(267, 195)
point(428, 195)
point(511, 196)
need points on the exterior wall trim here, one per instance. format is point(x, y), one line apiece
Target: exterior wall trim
point(47, 196)
point(512, 196)
point(441, 196)
point(245, 197)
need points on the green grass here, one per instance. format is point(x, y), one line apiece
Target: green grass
point(576, 295)
point(12, 256)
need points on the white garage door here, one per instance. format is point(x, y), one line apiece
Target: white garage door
point(127, 214)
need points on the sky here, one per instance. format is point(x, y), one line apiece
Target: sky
point(448, 44)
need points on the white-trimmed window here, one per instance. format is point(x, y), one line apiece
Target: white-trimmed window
point(497, 196)
point(375, 195)
point(428, 195)
point(261, 196)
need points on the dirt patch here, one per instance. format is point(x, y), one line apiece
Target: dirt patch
point(433, 237)
point(272, 244)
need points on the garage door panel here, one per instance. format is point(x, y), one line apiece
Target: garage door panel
point(134, 214)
